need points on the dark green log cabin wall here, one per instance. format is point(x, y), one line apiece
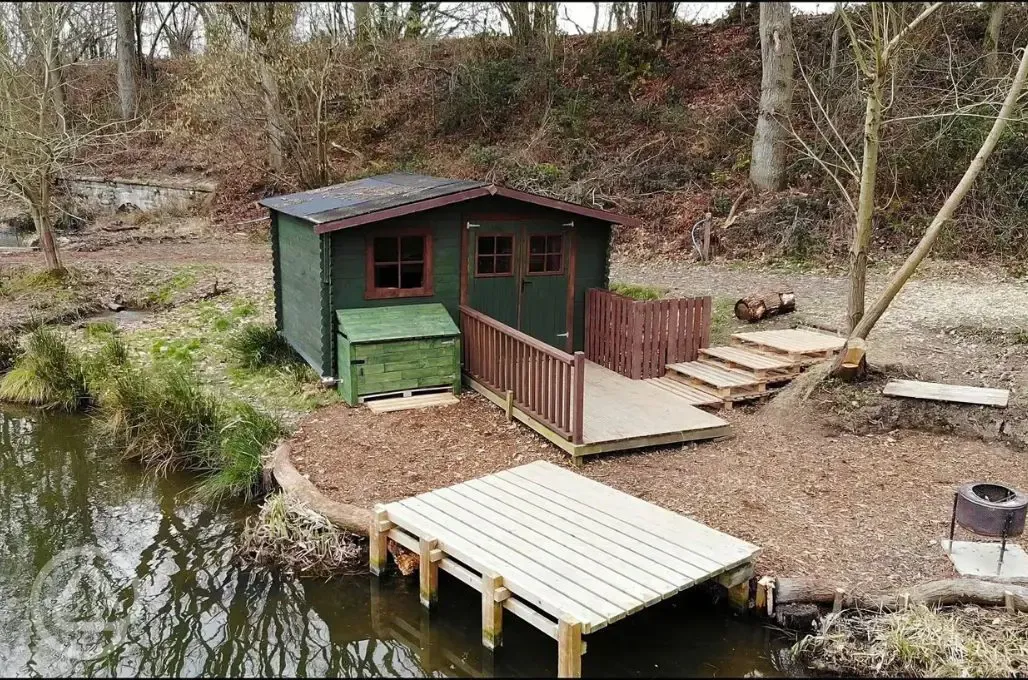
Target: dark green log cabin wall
point(301, 290)
point(308, 300)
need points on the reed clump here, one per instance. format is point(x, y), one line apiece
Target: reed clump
point(288, 534)
point(920, 641)
point(48, 374)
point(259, 345)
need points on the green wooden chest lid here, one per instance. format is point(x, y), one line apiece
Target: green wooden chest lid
point(400, 322)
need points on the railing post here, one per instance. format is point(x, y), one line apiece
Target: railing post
point(578, 399)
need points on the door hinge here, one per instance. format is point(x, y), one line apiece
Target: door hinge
point(473, 226)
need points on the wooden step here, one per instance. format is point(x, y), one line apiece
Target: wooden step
point(694, 395)
point(724, 382)
point(761, 365)
point(793, 343)
point(716, 376)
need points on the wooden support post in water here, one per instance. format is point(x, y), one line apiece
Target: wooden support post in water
point(766, 594)
point(378, 540)
point(840, 595)
point(428, 570)
point(493, 594)
point(569, 648)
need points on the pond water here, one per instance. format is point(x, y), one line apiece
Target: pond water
point(107, 571)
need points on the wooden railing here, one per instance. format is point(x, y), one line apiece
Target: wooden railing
point(638, 338)
point(542, 381)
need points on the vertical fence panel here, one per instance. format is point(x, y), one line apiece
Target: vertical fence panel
point(638, 338)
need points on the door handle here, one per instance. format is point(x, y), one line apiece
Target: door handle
point(562, 335)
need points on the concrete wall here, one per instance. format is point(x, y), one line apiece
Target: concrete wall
point(147, 195)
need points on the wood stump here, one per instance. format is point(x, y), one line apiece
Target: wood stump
point(756, 307)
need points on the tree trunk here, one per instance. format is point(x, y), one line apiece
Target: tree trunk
point(126, 59)
point(867, 322)
point(996, 10)
point(865, 202)
point(39, 208)
point(362, 20)
point(653, 21)
point(596, 16)
point(833, 58)
point(273, 117)
point(755, 308)
point(767, 164)
point(942, 593)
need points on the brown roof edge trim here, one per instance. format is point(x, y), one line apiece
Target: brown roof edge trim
point(401, 210)
point(556, 204)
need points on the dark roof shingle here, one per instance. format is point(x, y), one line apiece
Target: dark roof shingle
point(364, 196)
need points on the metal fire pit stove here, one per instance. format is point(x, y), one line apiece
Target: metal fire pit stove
point(989, 509)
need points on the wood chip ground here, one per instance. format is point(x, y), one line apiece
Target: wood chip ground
point(864, 511)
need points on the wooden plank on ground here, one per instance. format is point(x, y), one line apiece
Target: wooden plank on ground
point(408, 403)
point(964, 394)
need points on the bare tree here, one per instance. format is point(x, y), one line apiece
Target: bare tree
point(767, 160)
point(653, 21)
point(268, 28)
point(851, 362)
point(126, 59)
point(996, 10)
point(37, 144)
point(531, 24)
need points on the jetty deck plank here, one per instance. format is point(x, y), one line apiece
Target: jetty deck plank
point(964, 394)
point(568, 550)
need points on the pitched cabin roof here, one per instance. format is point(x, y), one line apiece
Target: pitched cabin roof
point(372, 199)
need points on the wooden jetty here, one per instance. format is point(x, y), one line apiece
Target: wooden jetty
point(566, 554)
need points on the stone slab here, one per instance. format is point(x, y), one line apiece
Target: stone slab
point(979, 558)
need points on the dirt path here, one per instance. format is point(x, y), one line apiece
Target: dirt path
point(956, 321)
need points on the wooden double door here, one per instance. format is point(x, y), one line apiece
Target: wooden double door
point(520, 273)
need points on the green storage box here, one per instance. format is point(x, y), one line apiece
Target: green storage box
point(396, 349)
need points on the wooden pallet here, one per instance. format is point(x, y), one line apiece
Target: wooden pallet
point(438, 389)
point(797, 345)
point(720, 381)
point(765, 366)
point(694, 395)
point(413, 402)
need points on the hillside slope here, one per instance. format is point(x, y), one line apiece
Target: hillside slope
point(611, 122)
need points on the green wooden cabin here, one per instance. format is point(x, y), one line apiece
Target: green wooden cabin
point(403, 239)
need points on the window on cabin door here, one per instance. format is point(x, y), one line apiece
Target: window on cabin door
point(399, 266)
point(494, 255)
point(546, 254)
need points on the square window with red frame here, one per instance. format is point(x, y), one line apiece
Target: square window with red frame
point(546, 254)
point(399, 266)
point(494, 255)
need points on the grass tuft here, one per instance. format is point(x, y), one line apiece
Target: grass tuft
point(260, 345)
point(49, 374)
point(286, 533)
point(921, 642)
point(637, 291)
point(100, 329)
point(247, 434)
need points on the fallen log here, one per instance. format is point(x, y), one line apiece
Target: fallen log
point(934, 593)
point(754, 308)
point(349, 517)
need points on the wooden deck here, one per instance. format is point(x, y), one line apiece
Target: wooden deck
point(565, 553)
point(622, 414)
